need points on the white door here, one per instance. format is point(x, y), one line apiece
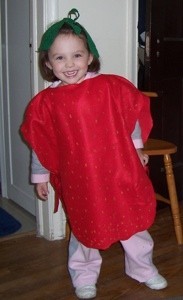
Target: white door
point(16, 93)
point(18, 18)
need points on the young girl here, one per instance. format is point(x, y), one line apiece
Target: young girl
point(85, 131)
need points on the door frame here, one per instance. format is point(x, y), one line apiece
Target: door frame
point(2, 131)
point(51, 226)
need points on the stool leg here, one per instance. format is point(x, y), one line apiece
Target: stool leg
point(67, 231)
point(173, 198)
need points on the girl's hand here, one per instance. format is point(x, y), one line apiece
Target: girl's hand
point(144, 158)
point(42, 190)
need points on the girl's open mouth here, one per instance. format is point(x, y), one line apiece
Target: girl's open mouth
point(70, 73)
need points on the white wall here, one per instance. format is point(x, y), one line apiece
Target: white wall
point(113, 27)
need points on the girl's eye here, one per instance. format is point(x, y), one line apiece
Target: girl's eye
point(78, 55)
point(59, 57)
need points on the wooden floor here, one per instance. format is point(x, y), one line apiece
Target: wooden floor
point(33, 268)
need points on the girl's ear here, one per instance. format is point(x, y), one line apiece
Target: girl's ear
point(90, 59)
point(48, 65)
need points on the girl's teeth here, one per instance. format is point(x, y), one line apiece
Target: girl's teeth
point(71, 73)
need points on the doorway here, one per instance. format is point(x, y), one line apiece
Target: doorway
point(163, 73)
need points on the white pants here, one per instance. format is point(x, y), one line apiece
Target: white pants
point(84, 263)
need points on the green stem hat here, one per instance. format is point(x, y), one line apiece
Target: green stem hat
point(52, 32)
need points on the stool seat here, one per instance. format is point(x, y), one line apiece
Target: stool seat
point(159, 147)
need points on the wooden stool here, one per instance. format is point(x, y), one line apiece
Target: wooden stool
point(163, 148)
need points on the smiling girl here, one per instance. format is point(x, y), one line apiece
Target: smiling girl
point(86, 131)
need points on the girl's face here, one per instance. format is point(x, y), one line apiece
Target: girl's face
point(69, 59)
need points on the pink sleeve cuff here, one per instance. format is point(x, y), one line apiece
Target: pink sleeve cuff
point(38, 178)
point(138, 144)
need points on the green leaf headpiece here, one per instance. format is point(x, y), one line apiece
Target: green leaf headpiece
point(52, 32)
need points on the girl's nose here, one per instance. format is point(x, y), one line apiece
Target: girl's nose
point(69, 63)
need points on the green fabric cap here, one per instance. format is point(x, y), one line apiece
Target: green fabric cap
point(52, 32)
